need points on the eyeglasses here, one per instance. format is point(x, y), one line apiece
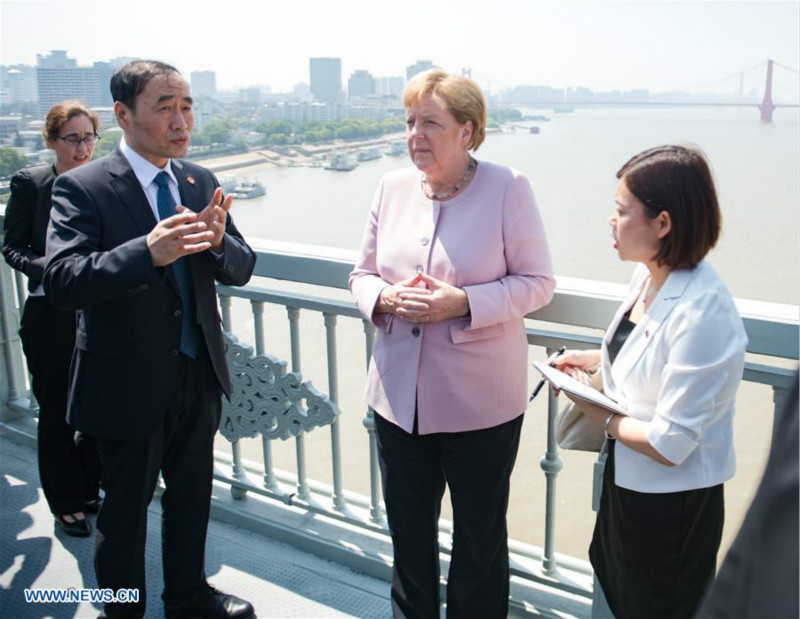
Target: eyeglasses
point(73, 139)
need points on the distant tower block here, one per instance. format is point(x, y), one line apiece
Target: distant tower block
point(466, 73)
point(767, 106)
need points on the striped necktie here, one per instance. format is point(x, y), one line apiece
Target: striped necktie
point(190, 333)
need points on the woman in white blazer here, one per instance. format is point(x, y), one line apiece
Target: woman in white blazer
point(673, 358)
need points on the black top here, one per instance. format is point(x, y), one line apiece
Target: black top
point(620, 337)
point(25, 221)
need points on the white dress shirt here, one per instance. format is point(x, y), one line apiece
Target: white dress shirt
point(146, 174)
point(679, 371)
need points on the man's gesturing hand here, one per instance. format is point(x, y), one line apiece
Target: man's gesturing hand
point(214, 216)
point(178, 236)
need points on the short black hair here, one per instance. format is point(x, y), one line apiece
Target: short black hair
point(129, 81)
point(677, 179)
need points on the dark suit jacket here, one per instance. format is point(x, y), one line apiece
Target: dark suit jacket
point(760, 573)
point(25, 221)
point(126, 359)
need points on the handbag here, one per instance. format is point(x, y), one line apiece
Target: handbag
point(573, 428)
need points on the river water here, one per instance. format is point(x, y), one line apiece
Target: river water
point(571, 164)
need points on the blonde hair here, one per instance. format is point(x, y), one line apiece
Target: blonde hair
point(461, 97)
point(61, 113)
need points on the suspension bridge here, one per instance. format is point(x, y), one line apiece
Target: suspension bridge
point(766, 107)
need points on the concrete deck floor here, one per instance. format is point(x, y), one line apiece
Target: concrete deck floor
point(279, 580)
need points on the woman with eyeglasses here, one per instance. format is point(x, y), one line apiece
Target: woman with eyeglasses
point(69, 468)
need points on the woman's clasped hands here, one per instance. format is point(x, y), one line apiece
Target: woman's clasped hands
point(423, 298)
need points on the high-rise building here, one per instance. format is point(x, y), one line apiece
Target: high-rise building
point(104, 71)
point(389, 86)
point(326, 79)
point(18, 84)
point(360, 84)
point(204, 83)
point(418, 67)
point(250, 96)
point(59, 77)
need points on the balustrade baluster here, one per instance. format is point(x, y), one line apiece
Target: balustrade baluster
point(375, 511)
point(551, 464)
point(13, 360)
point(238, 470)
point(339, 502)
point(303, 491)
point(270, 481)
point(19, 281)
point(225, 307)
point(779, 395)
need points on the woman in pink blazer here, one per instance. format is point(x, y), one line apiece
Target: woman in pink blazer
point(454, 255)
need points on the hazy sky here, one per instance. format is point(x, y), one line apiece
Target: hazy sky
point(602, 45)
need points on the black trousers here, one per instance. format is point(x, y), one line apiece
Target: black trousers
point(182, 450)
point(70, 473)
point(476, 466)
point(655, 554)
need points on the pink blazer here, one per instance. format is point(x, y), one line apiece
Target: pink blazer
point(465, 373)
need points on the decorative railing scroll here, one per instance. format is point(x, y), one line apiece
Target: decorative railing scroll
point(268, 400)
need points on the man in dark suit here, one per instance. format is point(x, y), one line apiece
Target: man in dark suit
point(759, 576)
point(135, 243)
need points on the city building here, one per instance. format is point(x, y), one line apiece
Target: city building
point(360, 84)
point(106, 116)
point(59, 77)
point(121, 61)
point(389, 86)
point(204, 83)
point(9, 127)
point(302, 91)
point(418, 67)
point(18, 84)
point(303, 111)
point(250, 97)
point(326, 79)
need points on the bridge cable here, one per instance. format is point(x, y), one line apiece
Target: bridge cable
point(783, 66)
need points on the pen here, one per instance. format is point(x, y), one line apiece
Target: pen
point(536, 391)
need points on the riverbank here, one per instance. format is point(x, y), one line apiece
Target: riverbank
point(293, 156)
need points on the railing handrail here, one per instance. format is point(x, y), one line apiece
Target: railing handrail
point(577, 317)
point(772, 328)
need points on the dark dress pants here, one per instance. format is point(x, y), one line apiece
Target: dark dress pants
point(476, 466)
point(182, 449)
point(70, 473)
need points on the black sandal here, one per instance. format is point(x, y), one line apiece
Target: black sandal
point(77, 528)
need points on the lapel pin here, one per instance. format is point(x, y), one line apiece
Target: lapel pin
point(647, 333)
point(190, 180)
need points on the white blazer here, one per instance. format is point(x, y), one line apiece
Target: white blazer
point(679, 372)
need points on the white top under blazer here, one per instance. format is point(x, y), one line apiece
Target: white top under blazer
point(679, 371)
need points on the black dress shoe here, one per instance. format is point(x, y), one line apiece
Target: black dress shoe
point(208, 603)
point(93, 507)
point(76, 528)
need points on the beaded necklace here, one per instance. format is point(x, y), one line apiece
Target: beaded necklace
point(441, 195)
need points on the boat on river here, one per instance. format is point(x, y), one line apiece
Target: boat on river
point(341, 162)
point(368, 154)
point(397, 148)
point(246, 189)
